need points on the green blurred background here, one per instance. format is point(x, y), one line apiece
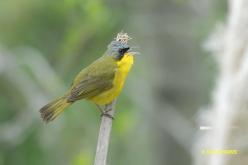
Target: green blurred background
point(45, 43)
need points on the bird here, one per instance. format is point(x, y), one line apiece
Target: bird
point(101, 82)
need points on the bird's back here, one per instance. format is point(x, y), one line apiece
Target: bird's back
point(101, 66)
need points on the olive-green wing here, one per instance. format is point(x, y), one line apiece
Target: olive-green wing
point(96, 79)
point(90, 87)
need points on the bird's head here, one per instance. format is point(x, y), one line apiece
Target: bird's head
point(119, 47)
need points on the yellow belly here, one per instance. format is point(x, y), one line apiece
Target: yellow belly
point(120, 77)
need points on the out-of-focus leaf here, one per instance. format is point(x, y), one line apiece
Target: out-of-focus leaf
point(83, 158)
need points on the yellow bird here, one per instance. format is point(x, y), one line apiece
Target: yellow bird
point(101, 82)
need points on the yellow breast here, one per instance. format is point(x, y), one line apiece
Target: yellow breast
point(124, 65)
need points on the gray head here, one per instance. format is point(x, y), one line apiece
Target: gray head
point(117, 49)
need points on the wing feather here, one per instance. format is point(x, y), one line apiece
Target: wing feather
point(97, 79)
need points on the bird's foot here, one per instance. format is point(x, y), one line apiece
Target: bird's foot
point(107, 115)
point(105, 112)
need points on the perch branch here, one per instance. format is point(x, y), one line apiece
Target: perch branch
point(104, 135)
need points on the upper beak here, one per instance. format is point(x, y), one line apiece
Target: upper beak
point(134, 53)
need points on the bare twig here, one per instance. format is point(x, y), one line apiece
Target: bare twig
point(104, 135)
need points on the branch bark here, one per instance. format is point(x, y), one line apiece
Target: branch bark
point(104, 135)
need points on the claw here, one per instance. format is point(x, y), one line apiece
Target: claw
point(107, 115)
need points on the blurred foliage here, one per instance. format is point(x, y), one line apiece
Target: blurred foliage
point(45, 43)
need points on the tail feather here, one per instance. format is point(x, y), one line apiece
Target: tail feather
point(50, 111)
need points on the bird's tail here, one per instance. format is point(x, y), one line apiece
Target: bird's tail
point(50, 111)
